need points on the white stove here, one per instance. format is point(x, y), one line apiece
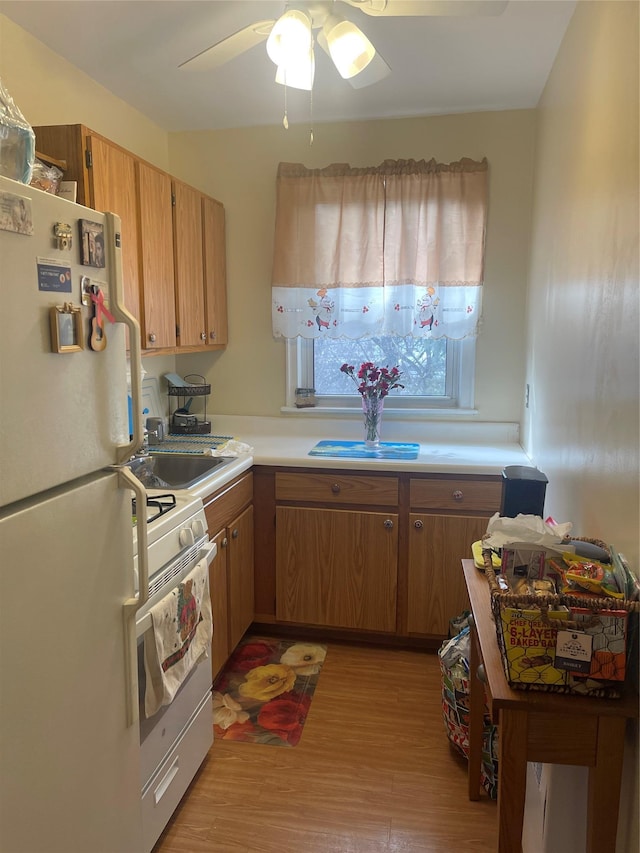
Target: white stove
point(176, 526)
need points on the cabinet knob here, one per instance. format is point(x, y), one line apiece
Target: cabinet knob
point(234, 533)
point(418, 524)
point(152, 338)
point(388, 524)
point(481, 674)
point(457, 495)
point(335, 488)
point(203, 336)
point(212, 335)
point(224, 542)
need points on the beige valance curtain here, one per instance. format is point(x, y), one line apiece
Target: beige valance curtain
point(395, 249)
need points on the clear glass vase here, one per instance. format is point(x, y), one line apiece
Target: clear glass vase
point(372, 407)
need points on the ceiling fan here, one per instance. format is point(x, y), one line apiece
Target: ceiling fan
point(290, 39)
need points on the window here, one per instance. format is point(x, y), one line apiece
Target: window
point(437, 374)
point(381, 264)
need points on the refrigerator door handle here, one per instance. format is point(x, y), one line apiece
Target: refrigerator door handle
point(132, 605)
point(123, 315)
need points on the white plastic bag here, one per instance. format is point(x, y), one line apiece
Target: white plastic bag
point(530, 529)
point(17, 141)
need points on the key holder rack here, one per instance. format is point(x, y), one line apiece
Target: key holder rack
point(181, 421)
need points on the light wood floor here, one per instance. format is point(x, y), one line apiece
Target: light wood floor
point(373, 773)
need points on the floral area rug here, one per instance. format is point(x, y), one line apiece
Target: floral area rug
point(264, 692)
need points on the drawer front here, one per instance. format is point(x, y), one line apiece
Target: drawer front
point(337, 489)
point(221, 508)
point(459, 495)
point(167, 787)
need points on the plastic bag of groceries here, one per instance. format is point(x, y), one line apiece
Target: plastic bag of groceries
point(454, 655)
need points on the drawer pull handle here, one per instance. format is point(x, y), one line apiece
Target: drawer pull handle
point(418, 525)
point(234, 533)
point(457, 495)
point(168, 778)
point(203, 336)
point(152, 338)
point(388, 524)
point(335, 488)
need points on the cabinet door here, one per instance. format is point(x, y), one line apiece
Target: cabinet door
point(218, 587)
point(189, 265)
point(156, 261)
point(241, 594)
point(436, 588)
point(114, 188)
point(336, 568)
point(215, 272)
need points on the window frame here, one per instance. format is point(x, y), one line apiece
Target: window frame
point(460, 383)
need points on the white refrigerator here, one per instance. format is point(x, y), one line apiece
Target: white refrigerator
point(69, 743)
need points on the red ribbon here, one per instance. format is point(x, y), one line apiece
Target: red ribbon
point(101, 308)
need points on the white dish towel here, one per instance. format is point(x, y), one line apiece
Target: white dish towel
point(180, 635)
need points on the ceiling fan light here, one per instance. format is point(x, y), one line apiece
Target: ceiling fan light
point(350, 50)
point(290, 37)
point(299, 74)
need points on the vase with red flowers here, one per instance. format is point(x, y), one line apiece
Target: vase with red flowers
point(373, 384)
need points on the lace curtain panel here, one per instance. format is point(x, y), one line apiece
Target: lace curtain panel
point(392, 250)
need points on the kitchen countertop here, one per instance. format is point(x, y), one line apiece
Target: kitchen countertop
point(450, 448)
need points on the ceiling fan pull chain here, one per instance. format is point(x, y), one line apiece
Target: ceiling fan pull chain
point(285, 120)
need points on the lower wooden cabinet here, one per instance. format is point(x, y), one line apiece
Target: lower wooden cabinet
point(336, 568)
point(219, 589)
point(231, 575)
point(436, 590)
point(240, 576)
point(368, 552)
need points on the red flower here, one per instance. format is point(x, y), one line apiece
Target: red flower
point(250, 656)
point(374, 381)
point(238, 731)
point(285, 716)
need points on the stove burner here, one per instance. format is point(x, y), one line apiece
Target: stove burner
point(156, 506)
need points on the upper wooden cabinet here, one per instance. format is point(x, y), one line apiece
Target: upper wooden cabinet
point(156, 258)
point(173, 239)
point(215, 272)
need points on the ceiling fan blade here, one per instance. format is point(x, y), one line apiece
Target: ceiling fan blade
point(228, 48)
point(418, 8)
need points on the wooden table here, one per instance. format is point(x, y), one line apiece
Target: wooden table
point(544, 727)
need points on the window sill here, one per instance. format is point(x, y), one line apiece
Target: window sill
point(390, 414)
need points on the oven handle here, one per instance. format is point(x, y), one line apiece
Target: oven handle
point(132, 605)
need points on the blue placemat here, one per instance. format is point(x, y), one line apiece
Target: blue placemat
point(359, 450)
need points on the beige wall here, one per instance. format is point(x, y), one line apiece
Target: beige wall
point(582, 362)
point(49, 90)
point(239, 167)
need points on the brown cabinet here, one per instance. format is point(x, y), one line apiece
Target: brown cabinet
point(367, 551)
point(215, 272)
point(189, 265)
point(173, 240)
point(337, 566)
point(156, 258)
point(456, 512)
point(230, 521)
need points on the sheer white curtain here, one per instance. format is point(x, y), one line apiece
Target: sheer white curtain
point(396, 249)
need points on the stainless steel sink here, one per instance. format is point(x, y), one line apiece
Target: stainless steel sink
point(175, 470)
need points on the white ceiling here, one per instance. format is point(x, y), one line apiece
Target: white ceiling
point(439, 64)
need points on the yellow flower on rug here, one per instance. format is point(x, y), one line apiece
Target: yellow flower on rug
point(267, 682)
